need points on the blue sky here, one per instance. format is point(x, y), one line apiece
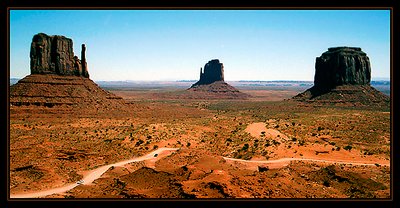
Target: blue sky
point(174, 44)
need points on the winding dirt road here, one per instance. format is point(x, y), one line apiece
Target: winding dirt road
point(97, 173)
point(91, 176)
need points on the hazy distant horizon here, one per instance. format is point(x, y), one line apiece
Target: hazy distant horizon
point(195, 80)
point(174, 44)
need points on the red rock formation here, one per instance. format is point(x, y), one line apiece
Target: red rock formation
point(58, 78)
point(54, 55)
point(343, 75)
point(212, 84)
point(213, 72)
point(340, 66)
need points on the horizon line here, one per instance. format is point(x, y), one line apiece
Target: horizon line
point(195, 80)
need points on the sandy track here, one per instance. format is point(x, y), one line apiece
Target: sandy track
point(92, 175)
point(97, 173)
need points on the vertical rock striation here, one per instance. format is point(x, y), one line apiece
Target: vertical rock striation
point(58, 78)
point(85, 72)
point(341, 66)
point(342, 76)
point(54, 55)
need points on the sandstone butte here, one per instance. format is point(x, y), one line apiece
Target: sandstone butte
point(212, 83)
point(343, 75)
point(59, 78)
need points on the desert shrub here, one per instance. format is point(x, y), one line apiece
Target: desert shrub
point(245, 147)
point(155, 147)
point(139, 142)
point(348, 147)
point(326, 183)
point(276, 142)
point(247, 156)
point(368, 152)
point(262, 169)
point(264, 153)
point(188, 144)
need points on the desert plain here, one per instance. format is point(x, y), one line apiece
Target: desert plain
point(264, 146)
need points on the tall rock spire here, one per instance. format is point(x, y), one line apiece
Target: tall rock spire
point(85, 72)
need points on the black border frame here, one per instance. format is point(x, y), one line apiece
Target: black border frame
point(184, 5)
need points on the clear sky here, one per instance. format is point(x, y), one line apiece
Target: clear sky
point(174, 44)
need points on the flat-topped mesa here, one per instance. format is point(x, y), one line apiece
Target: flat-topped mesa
point(54, 55)
point(213, 71)
point(342, 77)
point(342, 66)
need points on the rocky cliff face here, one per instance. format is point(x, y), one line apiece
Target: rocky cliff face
point(342, 76)
point(54, 55)
point(213, 72)
point(341, 66)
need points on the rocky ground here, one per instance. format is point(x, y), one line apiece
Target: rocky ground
point(54, 146)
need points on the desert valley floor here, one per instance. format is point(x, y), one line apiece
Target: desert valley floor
point(263, 147)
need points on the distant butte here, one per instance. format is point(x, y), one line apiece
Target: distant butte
point(343, 75)
point(58, 78)
point(212, 84)
point(213, 72)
